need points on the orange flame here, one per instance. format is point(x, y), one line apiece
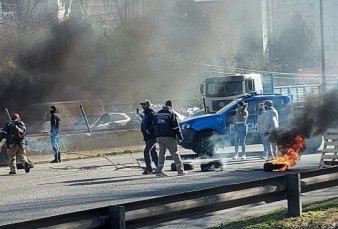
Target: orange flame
point(290, 154)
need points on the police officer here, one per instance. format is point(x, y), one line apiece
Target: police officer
point(167, 129)
point(148, 131)
point(14, 132)
point(54, 133)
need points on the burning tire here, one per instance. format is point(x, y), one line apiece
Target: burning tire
point(269, 167)
point(31, 164)
point(212, 166)
point(186, 166)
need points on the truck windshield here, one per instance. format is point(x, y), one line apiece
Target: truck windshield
point(224, 89)
point(227, 107)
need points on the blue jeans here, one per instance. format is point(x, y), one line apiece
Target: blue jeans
point(241, 130)
point(54, 139)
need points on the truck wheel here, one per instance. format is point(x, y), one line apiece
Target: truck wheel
point(204, 145)
point(312, 144)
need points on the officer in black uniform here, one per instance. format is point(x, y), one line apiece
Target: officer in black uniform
point(167, 130)
point(148, 131)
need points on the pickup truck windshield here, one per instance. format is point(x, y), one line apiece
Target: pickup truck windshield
point(224, 89)
point(227, 107)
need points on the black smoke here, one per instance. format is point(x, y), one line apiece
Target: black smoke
point(317, 115)
point(57, 67)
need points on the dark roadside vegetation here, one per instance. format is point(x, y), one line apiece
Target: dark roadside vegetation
point(318, 215)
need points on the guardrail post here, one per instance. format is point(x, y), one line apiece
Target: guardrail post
point(293, 185)
point(117, 219)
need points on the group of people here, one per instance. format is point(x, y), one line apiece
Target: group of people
point(15, 132)
point(267, 121)
point(162, 128)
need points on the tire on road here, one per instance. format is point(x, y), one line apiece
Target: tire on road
point(31, 164)
point(186, 166)
point(269, 167)
point(212, 166)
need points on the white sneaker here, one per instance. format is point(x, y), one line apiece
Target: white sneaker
point(244, 157)
point(182, 173)
point(161, 174)
point(236, 157)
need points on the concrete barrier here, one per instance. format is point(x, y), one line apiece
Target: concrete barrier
point(86, 141)
point(40, 144)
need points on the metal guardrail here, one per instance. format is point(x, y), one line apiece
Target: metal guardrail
point(167, 208)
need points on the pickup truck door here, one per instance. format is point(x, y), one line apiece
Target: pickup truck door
point(229, 123)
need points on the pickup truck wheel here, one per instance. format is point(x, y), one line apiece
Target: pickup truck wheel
point(203, 144)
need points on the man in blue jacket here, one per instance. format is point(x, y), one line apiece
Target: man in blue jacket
point(167, 129)
point(54, 133)
point(148, 131)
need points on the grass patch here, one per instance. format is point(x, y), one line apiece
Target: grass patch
point(318, 215)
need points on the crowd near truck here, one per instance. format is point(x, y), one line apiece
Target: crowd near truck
point(218, 91)
point(206, 133)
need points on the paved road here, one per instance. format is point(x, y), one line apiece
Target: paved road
point(52, 189)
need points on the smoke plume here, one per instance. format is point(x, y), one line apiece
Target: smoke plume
point(318, 114)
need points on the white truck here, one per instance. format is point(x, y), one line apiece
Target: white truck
point(221, 90)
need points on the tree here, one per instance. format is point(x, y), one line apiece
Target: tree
point(295, 47)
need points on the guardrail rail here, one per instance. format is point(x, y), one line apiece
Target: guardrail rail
point(167, 208)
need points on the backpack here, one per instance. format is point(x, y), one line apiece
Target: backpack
point(17, 131)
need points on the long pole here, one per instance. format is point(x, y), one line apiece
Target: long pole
point(85, 118)
point(7, 112)
point(322, 47)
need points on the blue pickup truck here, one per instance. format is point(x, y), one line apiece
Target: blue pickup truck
point(206, 133)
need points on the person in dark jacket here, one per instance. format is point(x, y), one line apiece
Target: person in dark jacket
point(54, 133)
point(14, 132)
point(167, 130)
point(148, 131)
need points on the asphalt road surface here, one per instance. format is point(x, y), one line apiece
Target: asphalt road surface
point(52, 189)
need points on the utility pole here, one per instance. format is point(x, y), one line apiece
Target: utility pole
point(322, 47)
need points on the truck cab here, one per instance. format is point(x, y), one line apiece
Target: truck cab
point(219, 91)
point(205, 134)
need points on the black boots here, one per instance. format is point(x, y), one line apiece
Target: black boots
point(57, 158)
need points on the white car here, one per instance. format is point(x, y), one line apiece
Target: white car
point(110, 121)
